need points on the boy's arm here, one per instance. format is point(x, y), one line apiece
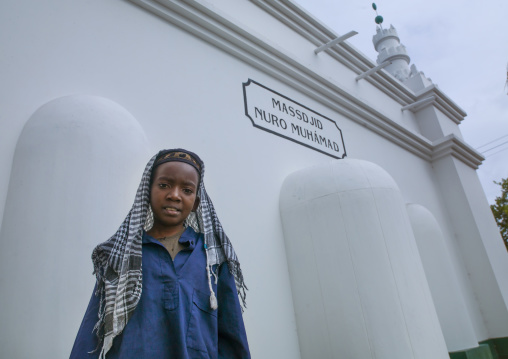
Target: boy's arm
point(232, 337)
point(86, 341)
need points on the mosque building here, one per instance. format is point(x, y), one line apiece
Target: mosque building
point(344, 183)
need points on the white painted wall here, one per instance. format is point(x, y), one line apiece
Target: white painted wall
point(480, 244)
point(435, 125)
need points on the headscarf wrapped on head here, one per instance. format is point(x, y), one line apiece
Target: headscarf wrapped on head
point(117, 262)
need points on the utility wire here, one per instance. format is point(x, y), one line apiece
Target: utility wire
point(488, 143)
point(494, 147)
point(492, 154)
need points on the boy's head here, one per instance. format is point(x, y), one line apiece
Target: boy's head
point(174, 187)
point(178, 155)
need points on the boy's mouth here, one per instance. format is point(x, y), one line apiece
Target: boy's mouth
point(171, 209)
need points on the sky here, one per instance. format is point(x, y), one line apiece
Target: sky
point(462, 46)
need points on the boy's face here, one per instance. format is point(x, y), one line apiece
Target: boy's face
point(173, 196)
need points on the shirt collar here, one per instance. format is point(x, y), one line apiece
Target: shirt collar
point(188, 238)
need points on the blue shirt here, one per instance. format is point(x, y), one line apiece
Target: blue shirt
point(173, 319)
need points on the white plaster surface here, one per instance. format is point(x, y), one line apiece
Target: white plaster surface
point(446, 293)
point(358, 283)
point(480, 246)
point(434, 124)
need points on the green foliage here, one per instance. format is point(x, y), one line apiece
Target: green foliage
point(500, 210)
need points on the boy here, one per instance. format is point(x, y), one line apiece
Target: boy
point(154, 294)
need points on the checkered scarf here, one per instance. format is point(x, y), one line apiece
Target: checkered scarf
point(117, 262)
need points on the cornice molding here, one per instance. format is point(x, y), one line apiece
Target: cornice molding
point(451, 145)
point(313, 30)
point(209, 24)
point(443, 103)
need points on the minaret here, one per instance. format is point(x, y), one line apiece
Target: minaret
point(387, 44)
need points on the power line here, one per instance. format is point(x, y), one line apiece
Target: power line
point(492, 154)
point(488, 143)
point(494, 147)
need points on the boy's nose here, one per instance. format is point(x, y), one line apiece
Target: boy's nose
point(173, 194)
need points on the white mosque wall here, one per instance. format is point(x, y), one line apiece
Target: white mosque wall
point(434, 124)
point(141, 41)
point(183, 85)
point(449, 127)
point(294, 35)
point(56, 56)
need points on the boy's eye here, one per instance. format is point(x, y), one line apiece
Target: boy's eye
point(163, 185)
point(187, 191)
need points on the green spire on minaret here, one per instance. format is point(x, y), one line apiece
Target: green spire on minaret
point(378, 19)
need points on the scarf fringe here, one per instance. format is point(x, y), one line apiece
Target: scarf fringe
point(241, 288)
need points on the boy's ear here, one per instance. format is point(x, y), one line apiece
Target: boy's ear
point(196, 204)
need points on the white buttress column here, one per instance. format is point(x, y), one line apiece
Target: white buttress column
point(447, 294)
point(358, 284)
point(480, 244)
point(76, 168)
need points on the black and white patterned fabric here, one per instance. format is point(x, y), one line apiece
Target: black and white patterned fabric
point(117, 262)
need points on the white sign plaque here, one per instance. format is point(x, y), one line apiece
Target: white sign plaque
point(273, 112)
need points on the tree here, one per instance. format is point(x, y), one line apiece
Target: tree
point(500, 210)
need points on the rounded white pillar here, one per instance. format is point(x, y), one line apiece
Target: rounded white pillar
point(358, 284)
point(75, 171)
point(453, 314)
